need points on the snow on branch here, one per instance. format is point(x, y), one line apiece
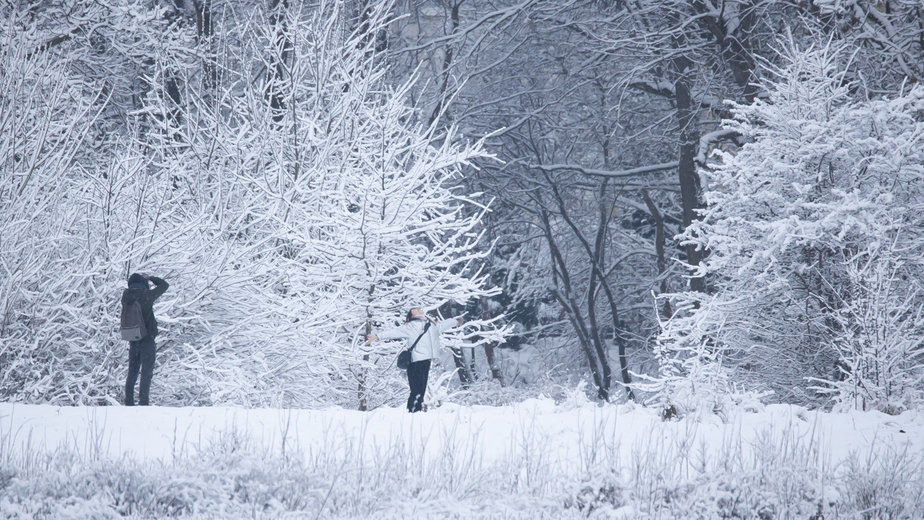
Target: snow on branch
point(631, 172)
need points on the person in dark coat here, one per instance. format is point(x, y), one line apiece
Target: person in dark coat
point(141, 353)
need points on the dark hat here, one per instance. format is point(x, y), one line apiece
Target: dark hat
point(137, 281)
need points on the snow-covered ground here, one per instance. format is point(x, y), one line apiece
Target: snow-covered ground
point(535, 459)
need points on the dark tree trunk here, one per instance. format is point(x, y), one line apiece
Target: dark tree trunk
point(598, 281)
point(599, 367)
point(489, 348)
point(597, 278)
point(447, 63)
point(659, 249)
point(686, 170)
point(736, 46)
point(466, 374)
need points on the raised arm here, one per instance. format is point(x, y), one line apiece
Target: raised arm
point(160, 286)
point(448, 323)
point(401, 332)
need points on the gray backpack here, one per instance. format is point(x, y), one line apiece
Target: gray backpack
point(132, 322)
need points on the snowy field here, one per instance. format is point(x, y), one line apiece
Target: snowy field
point(536, 459)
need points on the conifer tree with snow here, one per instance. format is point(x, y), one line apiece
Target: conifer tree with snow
point(813, 234)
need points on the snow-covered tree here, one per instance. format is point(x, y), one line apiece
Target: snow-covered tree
point(291, 204)
point(341, 211)
point(814, 247)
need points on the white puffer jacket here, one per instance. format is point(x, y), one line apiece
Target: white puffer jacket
point(429, 345)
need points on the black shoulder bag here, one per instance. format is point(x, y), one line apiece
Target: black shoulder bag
point(404, 358)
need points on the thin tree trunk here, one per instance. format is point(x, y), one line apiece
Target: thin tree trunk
point(447, 63)
point(465, 376)
point(362, 390)
point(592, 286)
point(659, 249)
point(205, 30)
point(489, 348)
point(281, 49)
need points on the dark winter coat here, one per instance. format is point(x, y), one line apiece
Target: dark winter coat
point(146, 297)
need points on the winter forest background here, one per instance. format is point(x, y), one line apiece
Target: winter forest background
point(688, 237)
point(686, 204)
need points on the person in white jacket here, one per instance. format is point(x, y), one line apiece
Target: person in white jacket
point(416, 325)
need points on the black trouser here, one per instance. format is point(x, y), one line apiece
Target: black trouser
point(417, 373)
point(141, 355)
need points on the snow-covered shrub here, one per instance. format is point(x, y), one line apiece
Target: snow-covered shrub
point(778, 475)
point(880, 347)
point(692, 376)
point(598, 493)
point(71, 224)
point(532, 460)
point(882, 484)
point(804, 227)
